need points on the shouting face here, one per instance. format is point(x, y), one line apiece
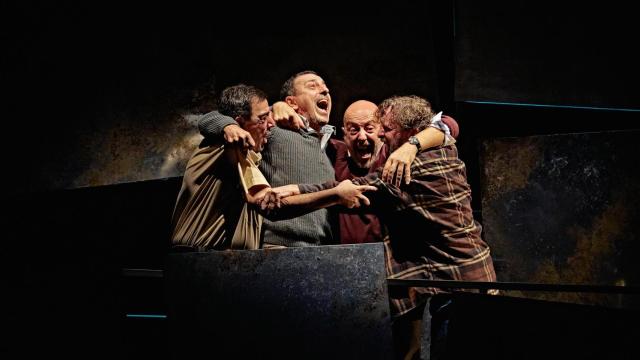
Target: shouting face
point(361, 130)
point(311, 99)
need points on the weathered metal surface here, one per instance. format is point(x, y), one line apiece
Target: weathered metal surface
point(563, 209)
point(305, 303)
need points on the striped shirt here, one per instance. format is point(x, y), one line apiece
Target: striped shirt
point(289, 157)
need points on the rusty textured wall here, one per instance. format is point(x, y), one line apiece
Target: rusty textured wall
point(563, 209)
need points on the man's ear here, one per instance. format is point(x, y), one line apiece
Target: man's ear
point(240, 120)
point(291, 101)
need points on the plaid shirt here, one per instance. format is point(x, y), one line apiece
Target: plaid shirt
point(432, 233)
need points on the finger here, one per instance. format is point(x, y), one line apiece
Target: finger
point(385, 171)
point(399, 174)
point(250, 140)
point(297, 122)
point(247, 141)
point(364, 188)
point(356, 203)
point(407, 175)
point(352, 204)
point(265, 202)
point(238, 136)
point(365, 200)
point(392, 172)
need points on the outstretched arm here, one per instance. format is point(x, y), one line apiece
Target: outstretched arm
point(275, 207)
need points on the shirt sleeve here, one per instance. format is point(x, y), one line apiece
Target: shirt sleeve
point(309, 188)
point(387, 197)
point(212, 125)
point(250, 176)
point(442, 126)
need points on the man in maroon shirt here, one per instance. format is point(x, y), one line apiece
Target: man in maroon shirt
point(363, 152)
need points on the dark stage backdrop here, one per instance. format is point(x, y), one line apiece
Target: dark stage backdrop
point(547, 52)
point(111, 93)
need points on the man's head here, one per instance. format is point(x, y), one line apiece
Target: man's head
point(403, 116)
point(248, 105)
point(309, 96)
point(361, 130)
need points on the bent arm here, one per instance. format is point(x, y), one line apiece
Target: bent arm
point(215, 126)
point(212, 125)
point(439, 133)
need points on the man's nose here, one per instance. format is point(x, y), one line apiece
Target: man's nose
point(270, 122)
point(362, 135)
point(381, 133)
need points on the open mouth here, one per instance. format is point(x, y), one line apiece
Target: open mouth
point(323, 104)
point(365, 151)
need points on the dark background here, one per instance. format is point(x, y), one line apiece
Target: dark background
point(99, 97)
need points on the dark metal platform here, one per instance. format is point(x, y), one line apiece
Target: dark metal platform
point(304, 303)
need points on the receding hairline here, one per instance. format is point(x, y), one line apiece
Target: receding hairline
point(361, 107)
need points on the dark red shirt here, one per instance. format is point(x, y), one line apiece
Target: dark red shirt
point(356, 228)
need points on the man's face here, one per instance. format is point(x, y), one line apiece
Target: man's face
point(361, 132)
point(259, 123)
point(311, 99)
point(394, 135)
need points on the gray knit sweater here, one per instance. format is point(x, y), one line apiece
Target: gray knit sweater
point(290, 157)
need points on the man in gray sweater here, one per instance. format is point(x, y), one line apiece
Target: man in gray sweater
point(292, 157)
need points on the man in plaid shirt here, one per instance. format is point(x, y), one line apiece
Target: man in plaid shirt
point(431, 230)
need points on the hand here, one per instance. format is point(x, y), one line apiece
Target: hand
point(351, 195)
point(398, 165)
point(286, 117)
point(234, 134)
point(272, 198)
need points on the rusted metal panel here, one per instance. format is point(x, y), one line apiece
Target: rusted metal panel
point(325, 302)
point(564, 209)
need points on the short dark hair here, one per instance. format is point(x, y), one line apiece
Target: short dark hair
point(287, 88)
point(409, 112)
point(236, 100)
